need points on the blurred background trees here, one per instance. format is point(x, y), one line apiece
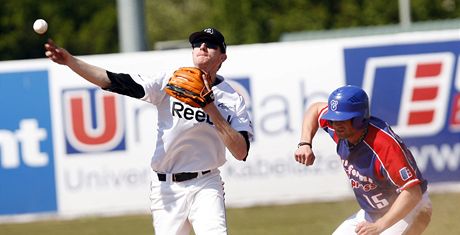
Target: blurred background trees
point(90, 27)
point(84, 27)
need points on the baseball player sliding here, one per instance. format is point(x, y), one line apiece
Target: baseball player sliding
point(199, 116)
point(384, 176)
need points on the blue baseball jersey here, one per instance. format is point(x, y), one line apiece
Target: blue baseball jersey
point(379, 167)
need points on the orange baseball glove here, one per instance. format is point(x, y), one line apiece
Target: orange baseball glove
point(191, 86)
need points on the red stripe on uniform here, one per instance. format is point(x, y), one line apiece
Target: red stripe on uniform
point(409, 184)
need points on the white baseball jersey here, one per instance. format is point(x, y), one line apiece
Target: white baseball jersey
point(187, 140)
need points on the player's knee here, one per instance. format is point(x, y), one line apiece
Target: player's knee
point(421, 221)
point(424, 214)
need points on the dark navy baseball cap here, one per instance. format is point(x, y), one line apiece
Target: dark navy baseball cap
point(210, 34)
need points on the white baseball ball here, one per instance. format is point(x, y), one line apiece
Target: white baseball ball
point(40, 26)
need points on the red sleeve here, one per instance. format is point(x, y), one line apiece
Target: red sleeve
point(392, 159)
point(324, 124)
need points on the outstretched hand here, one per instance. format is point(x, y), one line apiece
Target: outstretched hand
point(55, 53)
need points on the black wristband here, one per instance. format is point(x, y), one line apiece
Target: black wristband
point(304, 143)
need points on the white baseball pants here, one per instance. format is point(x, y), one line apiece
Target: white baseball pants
point(177, 207)
point(348, 226)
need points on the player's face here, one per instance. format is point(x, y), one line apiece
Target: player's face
point(207, 55)
point(345, 130)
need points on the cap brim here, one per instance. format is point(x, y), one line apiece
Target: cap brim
point(201, 35)
point(339, 116)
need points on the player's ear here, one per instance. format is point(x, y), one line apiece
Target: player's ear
point(223, 57)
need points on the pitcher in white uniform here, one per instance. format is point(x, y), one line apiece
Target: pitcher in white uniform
point(186, 189)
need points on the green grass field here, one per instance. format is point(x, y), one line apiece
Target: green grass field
point(306, 218)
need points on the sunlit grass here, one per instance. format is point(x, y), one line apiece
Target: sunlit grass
point(305, 218)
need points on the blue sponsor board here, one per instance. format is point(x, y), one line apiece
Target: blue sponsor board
point(416, 89)
point(27, 180)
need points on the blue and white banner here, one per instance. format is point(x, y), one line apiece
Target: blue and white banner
point(415, 88)
point(27, 169)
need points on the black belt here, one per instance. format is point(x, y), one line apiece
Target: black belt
point(179, 177)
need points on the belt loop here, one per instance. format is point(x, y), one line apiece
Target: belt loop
point(201, 173)
point(169, 178)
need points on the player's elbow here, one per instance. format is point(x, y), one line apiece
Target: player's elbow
point(240, 155)
point(421, 220)
point(239, 146)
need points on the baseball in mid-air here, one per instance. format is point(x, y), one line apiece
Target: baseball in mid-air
point(40, 26)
